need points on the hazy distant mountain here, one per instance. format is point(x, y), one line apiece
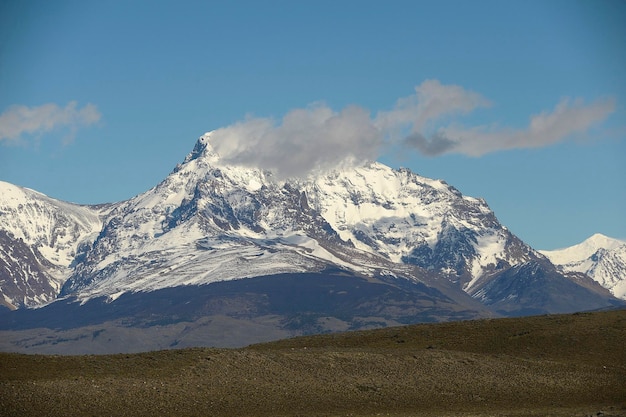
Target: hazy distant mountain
point(601, 257)
point(350, 248)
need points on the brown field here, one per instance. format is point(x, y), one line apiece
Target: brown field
point(558, 365)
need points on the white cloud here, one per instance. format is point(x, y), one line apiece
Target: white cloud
point(431, 102)
point(306, 139)
point(569, 118)
point(19, 120)
point(319, 138)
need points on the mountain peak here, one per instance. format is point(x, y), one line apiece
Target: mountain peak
point(203, 148)
point(16, 194)
point(601, 241)
point(584, 249)
point(601, 257)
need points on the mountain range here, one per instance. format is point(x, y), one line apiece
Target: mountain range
point(225, 255)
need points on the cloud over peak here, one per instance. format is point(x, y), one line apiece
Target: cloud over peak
point(18, 120)
point(318, 137)
point(306, 139)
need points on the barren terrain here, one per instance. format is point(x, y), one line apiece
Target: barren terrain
point(557, 365)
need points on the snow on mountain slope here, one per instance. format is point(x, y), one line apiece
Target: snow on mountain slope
point(41, 237)
point(208, 221)
point(415, 220)
point(204, 223)
point(601, 257)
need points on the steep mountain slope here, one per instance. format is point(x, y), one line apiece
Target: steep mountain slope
point(202, 224)
point(216, 250)
point(39, 239)
point(209, 222)
point(601, 257)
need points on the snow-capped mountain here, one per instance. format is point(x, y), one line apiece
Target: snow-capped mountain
point(209, 222)
point(39, 239)
point(355, 247)
point(601, 257)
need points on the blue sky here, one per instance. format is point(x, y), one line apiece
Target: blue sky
point(519, 102)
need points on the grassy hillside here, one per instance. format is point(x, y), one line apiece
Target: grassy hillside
point(560, 365)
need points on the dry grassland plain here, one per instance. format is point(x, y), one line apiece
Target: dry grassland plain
point(556, 365)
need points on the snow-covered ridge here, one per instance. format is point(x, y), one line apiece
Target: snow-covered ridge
point(42, 237)
point(601, 257)
point(366, 218)
point(583, 250)
point(210, 221)
point(56, 228)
